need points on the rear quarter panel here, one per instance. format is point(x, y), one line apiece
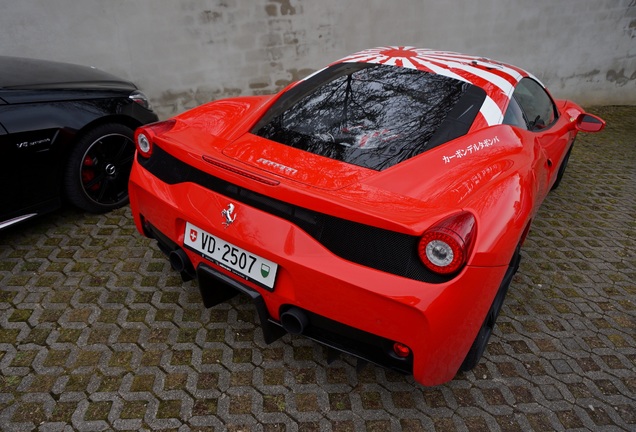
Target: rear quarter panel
point(489, 173)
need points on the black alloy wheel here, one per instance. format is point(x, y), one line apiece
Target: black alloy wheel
point(98, 168)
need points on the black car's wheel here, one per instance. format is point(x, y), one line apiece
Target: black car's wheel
point(479, 345)
point(96, 175)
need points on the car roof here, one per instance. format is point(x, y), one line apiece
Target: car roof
point(496, 78)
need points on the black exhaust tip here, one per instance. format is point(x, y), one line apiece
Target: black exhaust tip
point(178, 260)
point(294, 321)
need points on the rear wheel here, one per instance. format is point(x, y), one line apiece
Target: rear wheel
point(98, 167)
point(479, 345)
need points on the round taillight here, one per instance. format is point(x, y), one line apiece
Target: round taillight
point(146, 136)
point(440, 253)
point(143, 145)
point(444, 248)
point(401, 350)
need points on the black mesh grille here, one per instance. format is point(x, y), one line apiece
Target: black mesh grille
point(370, 246)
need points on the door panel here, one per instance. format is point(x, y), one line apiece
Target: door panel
point(28, 165)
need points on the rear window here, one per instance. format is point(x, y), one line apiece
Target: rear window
point(374, 116)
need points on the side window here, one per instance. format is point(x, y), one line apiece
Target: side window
point(514, 115)
point(536, 104)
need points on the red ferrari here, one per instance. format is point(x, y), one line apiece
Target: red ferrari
point(377, 206)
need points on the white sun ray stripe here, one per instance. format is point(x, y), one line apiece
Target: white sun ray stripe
point(500, 82)
point(501, 67)
point(448, 55)
point(440, 70)
point(406, 62)
point(510, 71)
point(392, 61)
point(358, 58)
point(491, 112)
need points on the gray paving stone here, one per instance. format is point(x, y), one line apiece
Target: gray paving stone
point(97, 333)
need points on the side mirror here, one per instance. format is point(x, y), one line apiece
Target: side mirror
point(589, 123)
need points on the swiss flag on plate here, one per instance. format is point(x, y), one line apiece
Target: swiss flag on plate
point(193, 235)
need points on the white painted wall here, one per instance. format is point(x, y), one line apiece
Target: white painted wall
point(187, 52)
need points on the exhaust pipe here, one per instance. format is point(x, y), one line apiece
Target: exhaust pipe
point(180, 262)
point(294, 321)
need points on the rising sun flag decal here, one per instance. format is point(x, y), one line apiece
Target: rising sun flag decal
point(478, 71)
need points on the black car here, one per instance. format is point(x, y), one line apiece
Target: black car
point(66, 132)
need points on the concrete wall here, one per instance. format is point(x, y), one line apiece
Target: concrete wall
point(187, 52)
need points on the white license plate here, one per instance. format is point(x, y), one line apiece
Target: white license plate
point(239, 261)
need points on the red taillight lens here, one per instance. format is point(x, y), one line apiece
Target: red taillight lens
point(445, 247)
point(145, 135)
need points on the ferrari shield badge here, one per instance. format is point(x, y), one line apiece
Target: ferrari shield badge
point(229, 215)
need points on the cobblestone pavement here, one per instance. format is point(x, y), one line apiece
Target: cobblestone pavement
point(98, 333)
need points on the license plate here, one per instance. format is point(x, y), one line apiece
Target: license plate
point(245, 264)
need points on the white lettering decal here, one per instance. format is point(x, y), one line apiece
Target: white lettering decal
point(473, 148)
point(27, 144)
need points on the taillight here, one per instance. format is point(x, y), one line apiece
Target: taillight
point(145, 135)
point(444, 248)
point(143, 144)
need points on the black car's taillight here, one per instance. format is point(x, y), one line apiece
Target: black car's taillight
point(140, 99)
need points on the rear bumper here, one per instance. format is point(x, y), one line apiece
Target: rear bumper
point(217, 287)
point(350, 307)
point(330, 333)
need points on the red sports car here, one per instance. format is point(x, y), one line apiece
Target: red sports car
point(377, 206)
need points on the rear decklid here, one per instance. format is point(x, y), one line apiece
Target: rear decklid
point(294, 164)
point(351, 121)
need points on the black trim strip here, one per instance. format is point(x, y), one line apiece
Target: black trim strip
point(384, 250)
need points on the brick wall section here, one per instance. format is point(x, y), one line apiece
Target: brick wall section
point(187, 52)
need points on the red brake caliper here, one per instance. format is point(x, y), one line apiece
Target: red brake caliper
point(88, 172)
